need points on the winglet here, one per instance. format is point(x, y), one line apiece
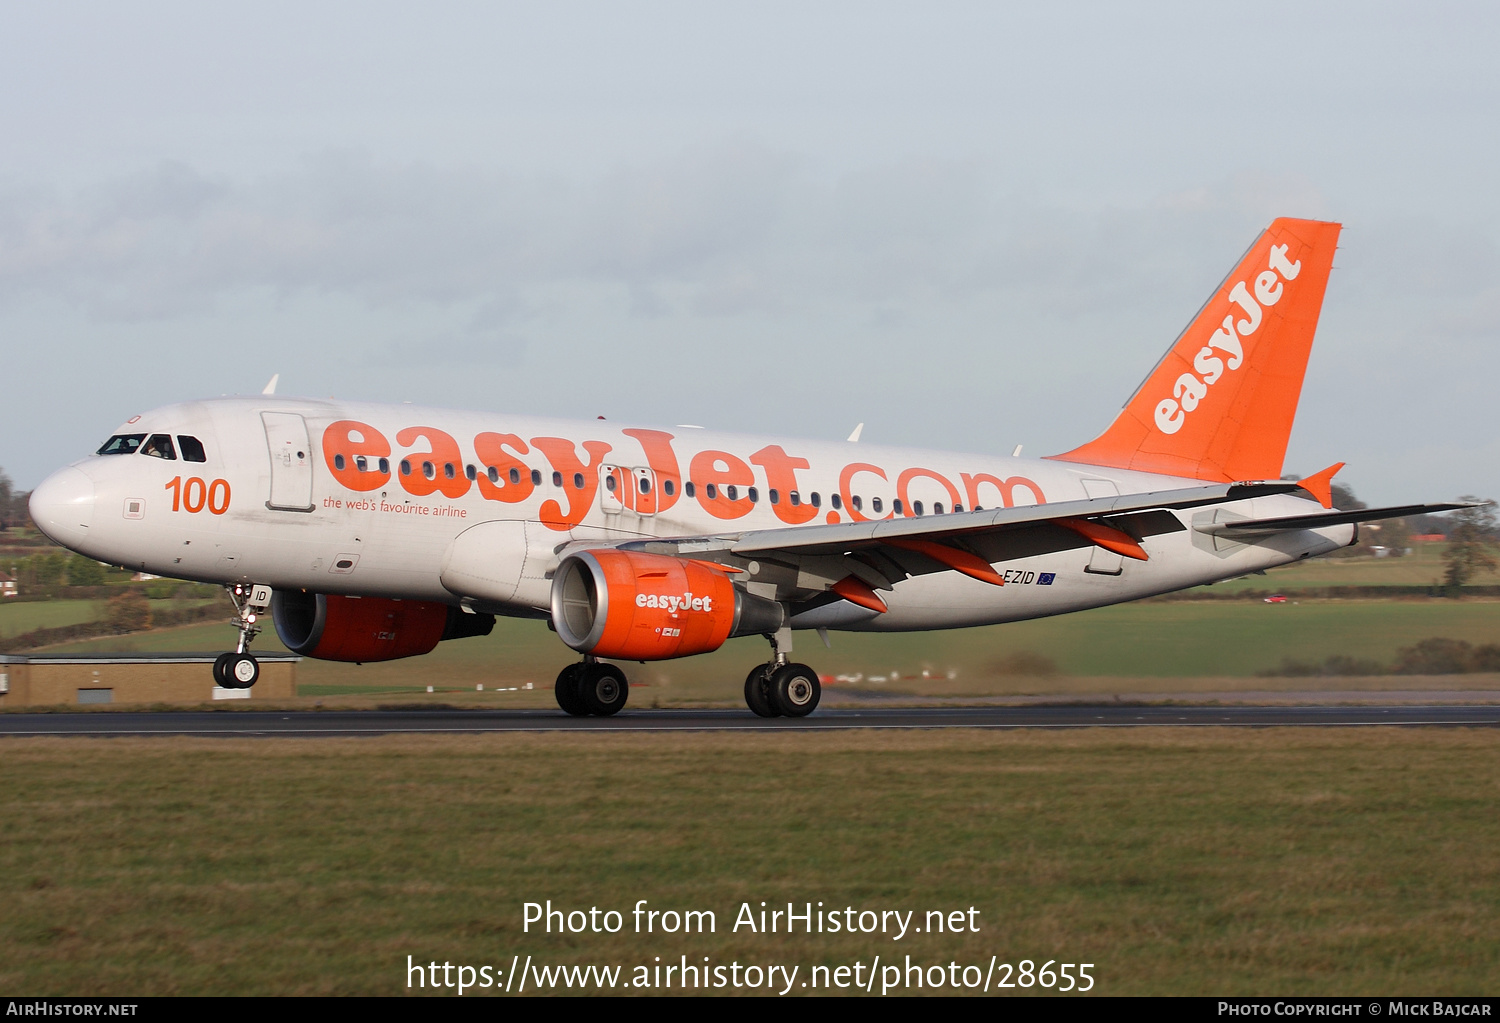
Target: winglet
point(1320, 484)
point(854, 437)
point(271, 387)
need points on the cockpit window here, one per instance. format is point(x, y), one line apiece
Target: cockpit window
point(160, 446)
point(192, 449)
point(122, 444)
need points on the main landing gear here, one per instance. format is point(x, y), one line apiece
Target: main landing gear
point(591, 687)
point(238, 669)
point(781, 688)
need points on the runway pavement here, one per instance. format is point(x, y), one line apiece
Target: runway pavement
point(356, 723)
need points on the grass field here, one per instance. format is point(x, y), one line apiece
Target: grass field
point(1275, 861)
point(1423, 567)
point(1178, 643)
point(47, 614)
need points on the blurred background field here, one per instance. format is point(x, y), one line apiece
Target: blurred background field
point(1212, 639)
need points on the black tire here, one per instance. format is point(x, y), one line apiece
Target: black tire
point(241, 671)
point(758, 692)
point(603, 688)
point(795, 690)
point(221, 678)
point(567, 691)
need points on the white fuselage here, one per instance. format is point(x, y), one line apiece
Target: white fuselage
point(269, 505)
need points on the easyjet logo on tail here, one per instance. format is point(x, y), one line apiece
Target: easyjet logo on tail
point(1225, 351)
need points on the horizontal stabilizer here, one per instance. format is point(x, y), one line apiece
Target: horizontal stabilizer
point(1253, 527)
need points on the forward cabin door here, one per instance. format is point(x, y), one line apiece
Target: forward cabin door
point(1101, 561)
point(291, 462)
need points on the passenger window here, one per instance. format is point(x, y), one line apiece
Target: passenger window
point(471, 472)
point(405, 467)
point(688, 488)
point(122, 444)
point(836, 501)
point(957, 509)
point(795, 498)
point(753, 494)
point(160, 446)
point(856, 503)
point(712, 491)
point(775, 496)
point(361, 463)
point(338, 462)
point(493, 474)
point(916, 506)
point(609, 483)
point(817, 502)
point(875, 504)
point(578, 481)
point(536, 477)
point(429, 470)
point(515, 476)
point(667, 487)
point(557, 479)
point(895, 506)
point(937, 507)
point(449, 471)
point(645, 485)
point(732, 492)
point(191, 448)
point(385, 466)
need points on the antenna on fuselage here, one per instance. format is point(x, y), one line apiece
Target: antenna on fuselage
point(271, 387)
point(854, 437)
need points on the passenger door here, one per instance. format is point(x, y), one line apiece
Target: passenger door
point(291, 462)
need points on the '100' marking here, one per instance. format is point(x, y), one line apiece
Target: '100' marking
point(194, 495)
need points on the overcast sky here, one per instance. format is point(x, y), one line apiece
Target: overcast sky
point(967, 225)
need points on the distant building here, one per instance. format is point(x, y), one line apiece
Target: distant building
point(7, 586)
point(1428, 537)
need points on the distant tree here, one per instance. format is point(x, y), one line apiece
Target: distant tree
point(1344, 499)
point(1471, 542)
point(7, 501)
point(1435, 656)
point(47, 569)
point(129, 612)
point(85, 572)
point(1395, 535)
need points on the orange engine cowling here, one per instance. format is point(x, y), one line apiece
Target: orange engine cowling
point(649, 607)
point(334, 628)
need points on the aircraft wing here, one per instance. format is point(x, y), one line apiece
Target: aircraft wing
point(1264, 527)
point(810, 559)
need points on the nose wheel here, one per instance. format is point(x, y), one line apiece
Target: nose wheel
point(239, 669)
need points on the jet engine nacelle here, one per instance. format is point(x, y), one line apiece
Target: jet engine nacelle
point(334, 628)
point(649, 607)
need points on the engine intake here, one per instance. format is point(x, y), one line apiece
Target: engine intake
point(335, 628)
point(650, 607)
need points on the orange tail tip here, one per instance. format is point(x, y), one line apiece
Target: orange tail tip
point(970, 565)
point(1320, 484)
point(1219, 405)
point(856, 592)
point(1108, 537)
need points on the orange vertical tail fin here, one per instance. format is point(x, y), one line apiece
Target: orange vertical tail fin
point(1220, 404)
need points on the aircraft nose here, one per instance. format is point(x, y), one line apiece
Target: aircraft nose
point(63, 506)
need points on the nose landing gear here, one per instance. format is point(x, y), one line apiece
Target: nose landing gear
point(239, 669)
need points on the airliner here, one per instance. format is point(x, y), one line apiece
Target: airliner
point(368, 532)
